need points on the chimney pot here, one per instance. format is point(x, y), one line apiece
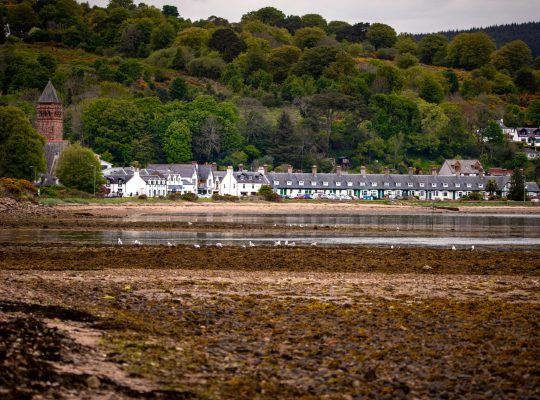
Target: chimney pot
point(363, 170)
point(314, 170)
point(338, 170)
point(387, 171)
point(214, 166)
point(411, 171)
point(434, 171)
point(265, 166)
point(289, 169)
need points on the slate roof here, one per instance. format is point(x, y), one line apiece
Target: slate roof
point(204, 171)
point(52, 152)
point(250, 177)
point(528, 132)
point(467, 167)
point(322, 181)
point(185, 170)
point(49, 94)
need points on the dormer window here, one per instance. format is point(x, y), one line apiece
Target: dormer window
point(480, 185)
point(325, 183)
point(289, 183)
point(301, 183)
point(338, 183)
point(409, 184)
point(458, 185)
point(313, 183)
point(445, 184)
point(362, 183)
point(349, 184)
point(422, 184)
point(469, 185)
point(374, 184)
point(398, 184)
point(386, 184)
point(433, 185)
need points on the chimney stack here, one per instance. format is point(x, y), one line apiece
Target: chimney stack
point(338, 170)
point(387, 171)
point(229, 169)
point(411, 171)
point(314, 170)
point(363, 170)
point(434, 171)
point(289, 169)
point(214, 167)
point(265, 166)
point(240, 167)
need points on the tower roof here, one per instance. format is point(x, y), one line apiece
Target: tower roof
point(49, 94)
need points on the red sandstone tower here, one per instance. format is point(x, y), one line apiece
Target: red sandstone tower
point(50, 115)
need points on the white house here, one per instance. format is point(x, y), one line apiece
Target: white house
point(130, 182)
point(241, 183)
point(529, 136)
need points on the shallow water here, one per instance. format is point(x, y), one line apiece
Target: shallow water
point(242, 238)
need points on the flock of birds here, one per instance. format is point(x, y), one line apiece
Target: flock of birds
point(276, 243)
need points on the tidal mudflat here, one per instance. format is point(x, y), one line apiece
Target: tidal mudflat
point(337, 322)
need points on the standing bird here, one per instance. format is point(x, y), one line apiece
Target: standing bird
point(472, 247)
point(392, 247)
point(454, 248)
point(190, 223)
point(120, 242)
point(277, 243)
point(169, 244)
point(137, 243)
point(314, 244)
point(292, 244)
point(286, 242)
point(219, 244)
point(251, 244)
point(197, 246)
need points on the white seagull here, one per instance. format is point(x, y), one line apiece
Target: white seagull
point(251, 244)
point(120, 242)
point(137, 242)
point(392, 247)
point(314, 244)
point(286, 242)
point(292, 244)
point(190, 223)
point(169, 244)
point(219, 244)
point(454, 248)
point(472, 247)
point(197, 246)
point(277, 243)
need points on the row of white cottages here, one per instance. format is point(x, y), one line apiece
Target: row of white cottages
point(204, 180)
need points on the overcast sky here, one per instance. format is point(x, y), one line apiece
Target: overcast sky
point(415, 16)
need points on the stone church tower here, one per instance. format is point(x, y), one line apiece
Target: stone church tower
point(50, 115)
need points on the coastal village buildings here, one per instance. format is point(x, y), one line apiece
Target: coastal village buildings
point(528, 136)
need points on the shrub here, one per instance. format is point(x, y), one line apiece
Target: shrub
point(268, 194)
point(174, 196)
point(142, 197)
point(227, 197)
point(189, 197)
point(17, 188)
point(476, 196)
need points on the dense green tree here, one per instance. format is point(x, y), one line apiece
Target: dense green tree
point(132, 43)
point(354, 34)
point(227, 42)
point(314, 20)
point(512, 56)
point(162, 36)
point(406, 44)
point(381, 35)
point(406, 60)
point(517, 186)
point(525, 80)
point(513, 116)
point(314, 61)
point(491, 187)
point(269, 15)
point(470, 50)
point(292, 23)
point(334, 27)
point(194, 37)
point(432, 49)
point(533, 113)
point(170, 11)
point(284, 147)
point(79, 168)
point(21, 17)
point(208, 67)
point(21, 147)
point(281, 60)
point(308, 37)
point(451, 80)
point(177, 143)
point(393, 114)
point(431, 90)
point(178, 89)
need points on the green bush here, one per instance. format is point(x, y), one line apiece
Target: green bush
point(475, 196)
point(189, 197)
point(174, 196)
point(142, 197)
point(17, 188)
point(227, 197)
point(268, 194)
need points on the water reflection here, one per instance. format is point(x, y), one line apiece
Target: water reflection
point(242, 238)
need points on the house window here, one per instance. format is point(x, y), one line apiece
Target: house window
point(398, 184)
point(289, 183)
point(409, 184)
point(338, 183)
point(458, 185)
point(276, 183)
point(325, 183)
point(480, 185)
point(433, 185)
point(301, 183)
point(445, 194)
point(469, 185)
point(386, 184)
point(349, 184)
point(313, 183)
point(243, 186)
point(422, 184)
point(362, 183)
point(373, 184)
point(445, 184)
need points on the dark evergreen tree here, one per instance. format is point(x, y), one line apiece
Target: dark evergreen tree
point(170, 11)
point(227, 43)
point(178, 90)
point(517, 186)
point(284, 148)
